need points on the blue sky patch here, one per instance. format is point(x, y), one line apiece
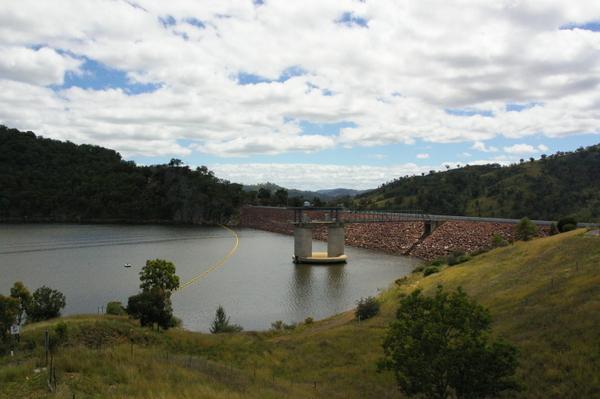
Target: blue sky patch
point(195, 22)
point(593, 26)
point(324, 129)
point(97, 76)
point(250, 79)
point(521, 107)
point(468, 112)
point(167, 21)
point(351, 20)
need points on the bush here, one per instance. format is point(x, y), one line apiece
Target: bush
point(459, 252)
point(553, 229)
point(418, 269)
point(568, 227)
point(308, 321)
point(498, 241)
point(562, 222)
point(458, 260)
point(478, 252)
point(115, 308)
point(526, 229)
point(280, 325)
point(430, 270)
point(220, 323)
point(367, 308)
point(62, 330)
point(438, 262)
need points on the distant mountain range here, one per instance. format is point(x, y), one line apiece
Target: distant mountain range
point(321, 194)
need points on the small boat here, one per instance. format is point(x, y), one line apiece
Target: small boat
point(127, 264)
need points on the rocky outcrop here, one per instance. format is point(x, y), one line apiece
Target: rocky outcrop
point(398, 238)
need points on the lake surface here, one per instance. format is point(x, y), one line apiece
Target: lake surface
point(257, 285)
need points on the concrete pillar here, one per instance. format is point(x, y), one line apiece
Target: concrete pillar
point(335, 241)
point(303, 241)
point(431, 225)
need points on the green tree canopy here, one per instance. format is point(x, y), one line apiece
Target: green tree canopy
point(21, 294)
point(115, 308)
point(46, 304)
point(9, 307)
point(153, 304)
point(150, 307)
point(439, 348)
point(525, 229)
point(159, 274)
point(220, 323)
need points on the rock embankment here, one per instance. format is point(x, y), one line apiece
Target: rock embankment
point(394, 238)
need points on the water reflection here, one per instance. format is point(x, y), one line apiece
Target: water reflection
point(258, 285)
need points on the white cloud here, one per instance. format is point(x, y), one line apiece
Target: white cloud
point(377, 156)
point(480, 146)
point(41, 67)
point(393, 80)
point(520, 149)
point(542, 148)
point(422, 156)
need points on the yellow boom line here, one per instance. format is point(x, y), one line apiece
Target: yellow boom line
point(215, 266)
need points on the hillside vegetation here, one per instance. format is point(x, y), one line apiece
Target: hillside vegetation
point(566, 183)
point(544, 295)
point(50, 180)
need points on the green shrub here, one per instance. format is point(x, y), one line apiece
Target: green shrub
point(308, 321)
point(458, 252)
point(478, 252)
point(553, 229)
point(498, 241)
point(525, 229)
point(568, 227)
point(401, 280)
point(278, 325)
point(418, 269)
point(438, 262)
point(367, 308)
point(562, 222)
point(115, 308)
point(62, 330)
point(430, 270)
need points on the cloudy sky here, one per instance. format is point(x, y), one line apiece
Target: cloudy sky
point(310, 94)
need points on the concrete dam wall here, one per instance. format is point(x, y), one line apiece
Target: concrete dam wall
point(397, 238)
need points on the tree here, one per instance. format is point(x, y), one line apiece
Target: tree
point(525, 229)
point(153, 304)
point(439, 348)
point(566, 221)
point(150, 307)
point(9, 308)
point(115, 308)
point(159, 274)
point(367, 308)
point(220, 323)
point(46, 304)
point(22, 294)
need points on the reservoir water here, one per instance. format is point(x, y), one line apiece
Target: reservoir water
point(257, 285)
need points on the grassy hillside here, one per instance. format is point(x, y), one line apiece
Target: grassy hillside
point(544, 295)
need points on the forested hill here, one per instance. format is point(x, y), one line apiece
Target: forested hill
point(45, 179)
point(563, 184)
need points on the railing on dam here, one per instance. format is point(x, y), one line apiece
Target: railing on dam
point(341, 215)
